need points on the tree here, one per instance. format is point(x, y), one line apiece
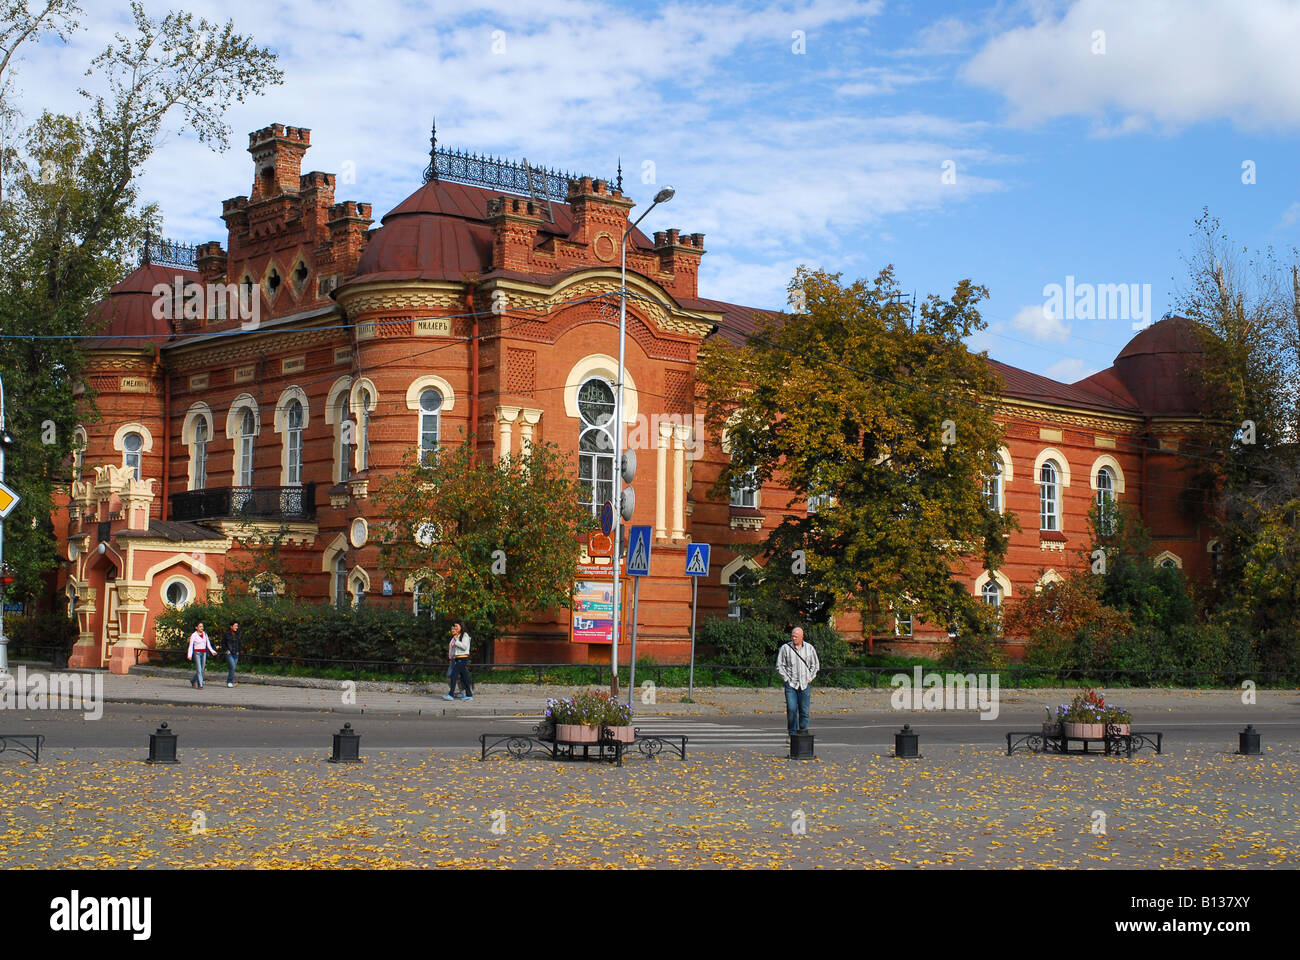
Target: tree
point(499, 541)
point(846, 401)
point(71, 222)
point(1245, 309)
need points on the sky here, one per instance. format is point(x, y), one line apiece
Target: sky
point(1020, 145)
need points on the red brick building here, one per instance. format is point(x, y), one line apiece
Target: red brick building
point(320, 350)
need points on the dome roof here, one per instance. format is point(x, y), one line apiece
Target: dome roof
point(441, 232)
point(1158, 368)
point(125, 318)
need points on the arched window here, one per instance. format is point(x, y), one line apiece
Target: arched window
point(1169, 563)
point(347, 438)
point(293, 440)
point(993, 487)
point(265, 590)
point(902, 624)
point(430, 417)
point(201, 454)
point(358, 592)
point(1050, 496)
point(1105, 501)
point(1216, 558)
point(340, 581)
point(247, 432)
point(596, 443)
point(991, 593)
point(79, 441)
point(736, 586)
point(424, 598)
point(363, 431)
point(132, 444)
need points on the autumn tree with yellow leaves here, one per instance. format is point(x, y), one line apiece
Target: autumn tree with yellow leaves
point(885, 416)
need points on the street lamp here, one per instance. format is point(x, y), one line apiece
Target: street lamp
point(5, 440)
point(663, 196)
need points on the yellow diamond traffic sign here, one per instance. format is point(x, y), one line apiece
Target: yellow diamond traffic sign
point(8, 500)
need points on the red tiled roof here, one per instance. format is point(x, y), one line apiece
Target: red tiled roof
point(125, 318)
point(738, 322)
point(1024, 385)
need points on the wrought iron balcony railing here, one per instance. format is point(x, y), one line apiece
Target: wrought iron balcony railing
point(246, 503)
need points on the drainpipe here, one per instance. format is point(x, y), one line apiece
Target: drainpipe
point(167, 429)
point(473, 375)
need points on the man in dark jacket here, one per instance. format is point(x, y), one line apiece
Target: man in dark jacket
point(232, 652)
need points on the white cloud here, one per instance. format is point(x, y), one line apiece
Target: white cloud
point(1170, 63)
point(1070, 370)
point(1040, 324)
point(1291, 215)
point(708, 93)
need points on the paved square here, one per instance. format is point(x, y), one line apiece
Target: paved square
point(956, 807)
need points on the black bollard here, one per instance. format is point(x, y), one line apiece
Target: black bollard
point(347, 746)
point(801, 746)
point(1248, 741)
point(162, 746)
point(906, 743)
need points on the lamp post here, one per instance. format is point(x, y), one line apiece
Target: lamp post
point(4, 442)
point(663, 196)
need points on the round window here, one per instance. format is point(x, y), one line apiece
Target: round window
point(596, 402)
point(132, 443)
point(178, 594)
point(430, 400)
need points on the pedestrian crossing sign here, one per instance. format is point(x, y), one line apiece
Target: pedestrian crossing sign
point(638, 552)
point(697, 559)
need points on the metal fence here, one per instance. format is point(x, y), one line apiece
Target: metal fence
point(708, 674)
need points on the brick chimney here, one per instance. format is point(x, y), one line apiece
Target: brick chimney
point(277, 159)
point(597, 208)
point(515, 222)
point(679, 259)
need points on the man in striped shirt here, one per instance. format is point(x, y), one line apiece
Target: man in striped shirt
point(797, 664)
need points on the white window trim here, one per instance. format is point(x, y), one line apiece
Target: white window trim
point(1049, 576)
point(234, 422)
point(192, 591)
point(1117, 472)
point(1168, 555)
point(197, 412)
point(1058, 498)
point(333, 400)
point(420, 384)
point(281, 420)
point(360, 453)
point(134, 426)
point(600, 365)
point(357, 577)
point(998, 577)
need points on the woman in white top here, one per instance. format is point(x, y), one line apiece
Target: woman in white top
point(200, 647)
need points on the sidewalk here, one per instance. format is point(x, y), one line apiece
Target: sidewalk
point(162, 685)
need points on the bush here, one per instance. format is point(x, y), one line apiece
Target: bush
point(754, 643)
point(56, 630)
point(313, 631)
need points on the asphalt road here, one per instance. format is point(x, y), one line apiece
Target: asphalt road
point(127, 726)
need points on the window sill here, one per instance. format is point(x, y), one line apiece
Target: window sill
point(742, 519)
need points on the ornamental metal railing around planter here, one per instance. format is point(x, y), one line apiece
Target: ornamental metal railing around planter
point(246, 503)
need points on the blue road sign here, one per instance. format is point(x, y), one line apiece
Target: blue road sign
point(697, 559)
point(607, 517)
point(638, 552)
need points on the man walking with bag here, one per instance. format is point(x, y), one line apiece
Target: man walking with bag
point(797, 664)
point(458, 654)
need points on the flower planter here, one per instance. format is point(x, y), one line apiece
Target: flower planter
point(621, 734)
point(1085, 731)
point(576, 733)
point(1119, 729)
